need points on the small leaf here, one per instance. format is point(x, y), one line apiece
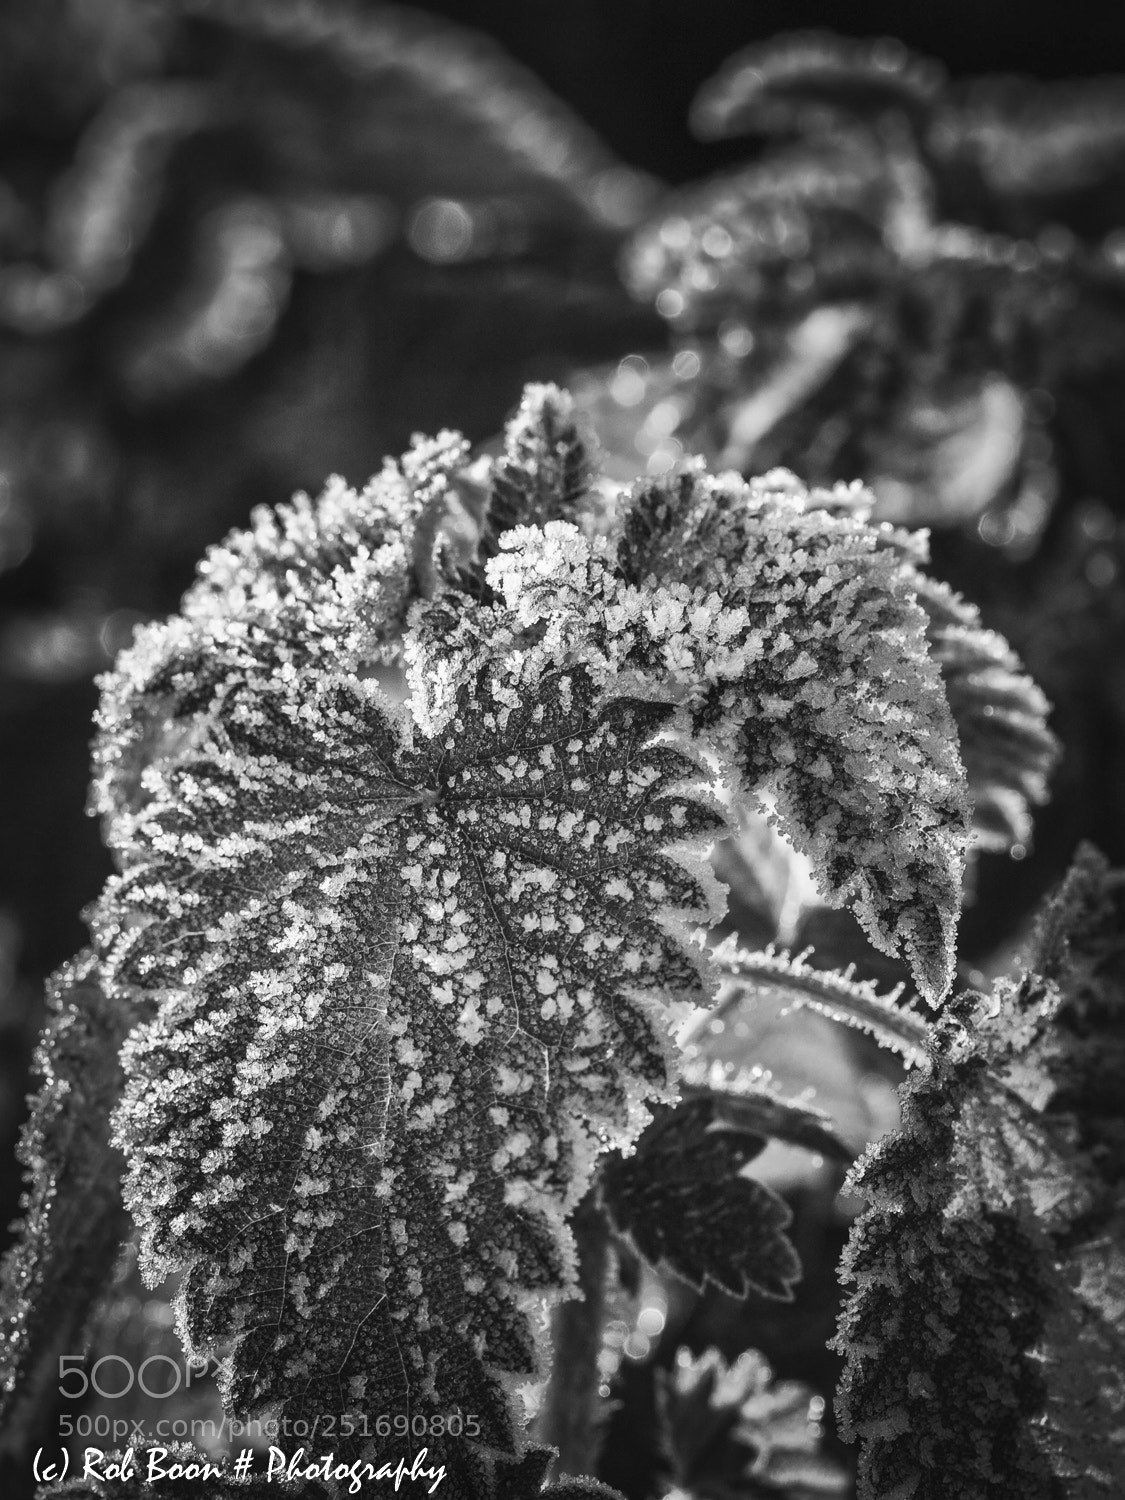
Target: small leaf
point(1006, 746)
point(543, 474)
point(682, 1202)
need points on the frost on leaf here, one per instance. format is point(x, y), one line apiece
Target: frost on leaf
point(682, 1201)
point(316, 585)
point(804, 655)
point(544, 473)
point(985, 1335)
point(73, 1221)
point(416, 971)
point(1001, 716)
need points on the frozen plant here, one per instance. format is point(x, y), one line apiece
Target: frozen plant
point(387, 985)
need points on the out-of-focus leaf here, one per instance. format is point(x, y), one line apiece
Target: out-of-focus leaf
point(813, 81)
point(733, 1432)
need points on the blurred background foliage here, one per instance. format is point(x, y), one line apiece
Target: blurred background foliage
point(249, 243)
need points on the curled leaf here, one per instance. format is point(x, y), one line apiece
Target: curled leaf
point(807, 663)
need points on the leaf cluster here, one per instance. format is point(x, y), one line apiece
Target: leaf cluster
point(983, 1335)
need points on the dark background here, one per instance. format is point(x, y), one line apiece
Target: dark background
point(632, 67)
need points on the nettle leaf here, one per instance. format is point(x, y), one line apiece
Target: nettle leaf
point(416, 971)
point(985, 1335)
point(546, 469)
point(74, 1223)
point(803, 651)
point(682, 1202)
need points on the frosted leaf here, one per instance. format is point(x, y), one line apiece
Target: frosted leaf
point(74, 1223)
point(1006, 746)
point(1001, 716)
point(321, 585)
point(804, 655)
point(985, 1332)
point(336, 573)
point(545, 470)
point(416, 970)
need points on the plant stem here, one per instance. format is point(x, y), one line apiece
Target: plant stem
point(570, 1416)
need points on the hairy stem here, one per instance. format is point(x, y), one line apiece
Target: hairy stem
point(837, 996)
point(570, 1417)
